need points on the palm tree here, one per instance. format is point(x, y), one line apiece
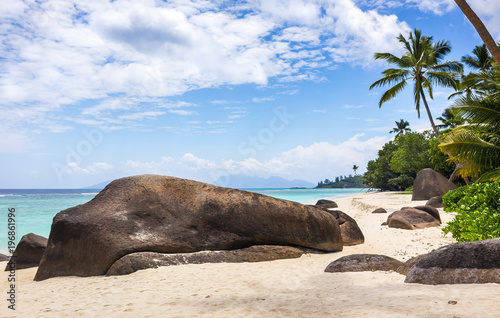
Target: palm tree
point(421, 64)
point(355, 168)
point(402, 126)
point(476, 144)
point(480, 28)
point(449, 120)
point(481, 59)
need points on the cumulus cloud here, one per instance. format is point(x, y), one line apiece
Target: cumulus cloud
point(66, 52)
point(311, 163)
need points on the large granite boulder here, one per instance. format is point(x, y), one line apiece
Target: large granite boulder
point(430, 183)
point(142, 260)
point(28, 252)
point(152, 213)
point(411, 219)
point(459, 263)
point(364, 263)
point(349, 229)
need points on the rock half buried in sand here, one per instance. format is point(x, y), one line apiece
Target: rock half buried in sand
point(459, 263)
point(152, 213)
point(4, 258)
point(142, 260)
point(328, 204)
point(364, 263)
point(430, 183)
point(411, 219)
point(349, 229)
point(28, 252)
point(379, 210)
point(426, 208)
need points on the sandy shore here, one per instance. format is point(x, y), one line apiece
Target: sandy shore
point(284, 288)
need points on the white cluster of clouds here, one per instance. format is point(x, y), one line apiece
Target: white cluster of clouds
point(309, 163)
point(62, 52)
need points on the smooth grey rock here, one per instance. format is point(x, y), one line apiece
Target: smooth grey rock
point(142, 260)
point(459, 263)
point(364, 263)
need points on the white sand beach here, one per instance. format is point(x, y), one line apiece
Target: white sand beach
point(283, 288)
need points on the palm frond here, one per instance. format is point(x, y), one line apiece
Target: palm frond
point(451, 67)
point(466, 146)
point(478, 110)
point(391, 77)
point(445, 79)
point(391, 92)
point(391, 59)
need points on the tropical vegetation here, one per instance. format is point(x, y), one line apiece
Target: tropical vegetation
point(478, 212)
point(476, 142)
point(343, 182)
point(400, 160)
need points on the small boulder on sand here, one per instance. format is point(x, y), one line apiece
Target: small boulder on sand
point(436, 202)
point(411, 219)
point(349, 229)
point(28, 252)
point(364, 263)
point(460, 263)
point(328, 204)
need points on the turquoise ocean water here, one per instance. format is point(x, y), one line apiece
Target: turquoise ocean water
point(34, 209)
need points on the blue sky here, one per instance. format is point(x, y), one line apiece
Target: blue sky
point(96, 90)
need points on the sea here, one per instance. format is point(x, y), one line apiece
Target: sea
point(34, 209)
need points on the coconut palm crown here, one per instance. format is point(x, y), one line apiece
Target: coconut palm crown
point(421, 64)
point(402, 126)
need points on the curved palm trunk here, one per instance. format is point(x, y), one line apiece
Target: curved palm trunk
point(429, 113)
point(480, 28)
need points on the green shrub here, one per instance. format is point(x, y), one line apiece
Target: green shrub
point(478, 212)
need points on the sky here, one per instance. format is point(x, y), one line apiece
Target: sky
point(94, 90)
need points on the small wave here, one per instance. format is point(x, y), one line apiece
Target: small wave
point(9, 195)
point(90, 193)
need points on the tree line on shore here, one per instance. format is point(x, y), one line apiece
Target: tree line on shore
point(466, 147)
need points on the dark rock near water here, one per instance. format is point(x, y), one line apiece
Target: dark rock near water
point(429, 184)
point(436, 202)
point(349, 229)
point(411, 219)
point(380, 210)
point(329, 204)
point(364, 263)
point(152, 213)
point(28, 252)
point(4, 258)
point(142, 260)
point(459, 263)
